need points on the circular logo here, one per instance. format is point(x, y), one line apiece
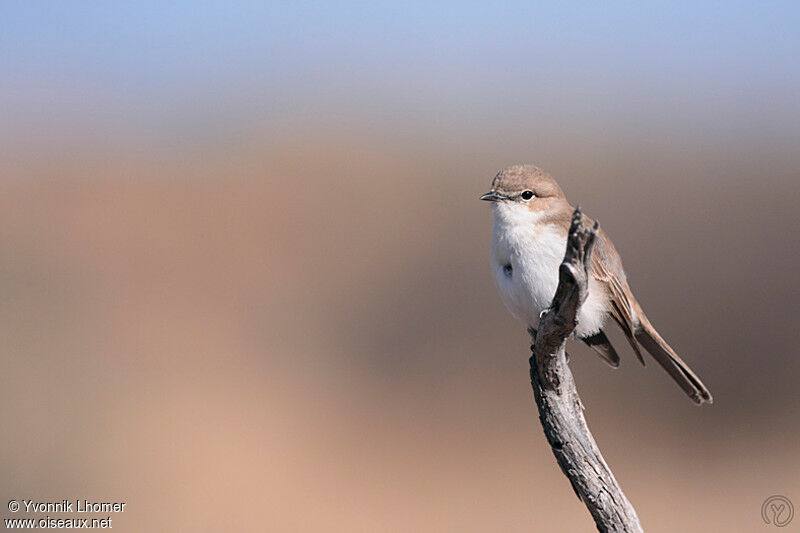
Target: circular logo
point(777, 510)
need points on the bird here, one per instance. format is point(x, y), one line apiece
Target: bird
point(531, 221)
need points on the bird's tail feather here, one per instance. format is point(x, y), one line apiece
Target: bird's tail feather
point(600, 344)
point(651, 341)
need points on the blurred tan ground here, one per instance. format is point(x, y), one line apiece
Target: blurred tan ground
point(299, 333)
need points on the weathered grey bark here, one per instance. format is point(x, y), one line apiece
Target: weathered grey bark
point(560, 407)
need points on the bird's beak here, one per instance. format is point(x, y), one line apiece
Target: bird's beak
point(493, 196)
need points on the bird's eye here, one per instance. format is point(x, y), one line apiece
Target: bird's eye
point(526, 195)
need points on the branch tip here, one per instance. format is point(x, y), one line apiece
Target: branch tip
point(560, 407)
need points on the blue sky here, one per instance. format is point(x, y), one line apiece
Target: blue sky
point(159, 39)
point(228, 60)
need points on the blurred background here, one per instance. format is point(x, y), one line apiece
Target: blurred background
point(244, 279)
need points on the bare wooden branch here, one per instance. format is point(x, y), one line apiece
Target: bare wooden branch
point(560, 407)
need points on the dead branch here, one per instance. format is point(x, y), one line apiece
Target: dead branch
point(560, 407)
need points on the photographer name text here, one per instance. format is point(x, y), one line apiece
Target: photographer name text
point(73, 506)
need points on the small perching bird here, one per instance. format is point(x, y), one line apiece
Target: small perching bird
point(531, 221)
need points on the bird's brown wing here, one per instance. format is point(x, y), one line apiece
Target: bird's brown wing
point(605, 262)
point(626, 311)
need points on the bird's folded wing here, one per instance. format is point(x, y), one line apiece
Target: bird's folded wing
point(605, 261)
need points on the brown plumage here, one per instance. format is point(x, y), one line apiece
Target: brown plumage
point(524, 196)
point(630, 317)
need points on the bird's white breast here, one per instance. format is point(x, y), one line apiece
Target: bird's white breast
point(534, 250)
